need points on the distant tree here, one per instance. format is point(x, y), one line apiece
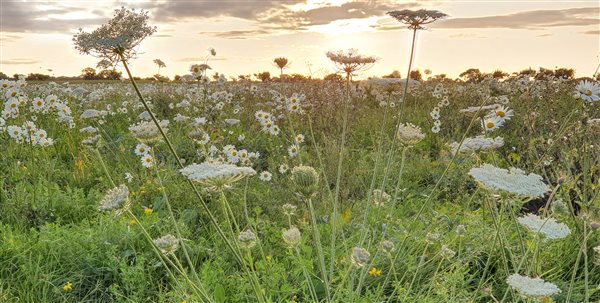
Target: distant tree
point(177, 78)
point(160, 64)
point(3, 76)
point(472, 75)
point(333, 77)
point(440, 77)
point(281, 63)
point(544, 73)
point(264, 76)
point(498, 74)
point(216, 76)
point(527, 72)
point(416, 75)
point(565, 73)
point(160, 78)
point(109, 74)
point(37, 77)
point(244, 77)
point(89, 73)
point(298, 78)
point(394, 74)
point(427, 72)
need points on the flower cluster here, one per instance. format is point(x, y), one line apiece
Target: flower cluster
point(478, 143)
point(547, 227)
point(532, 287)
point(514, 180)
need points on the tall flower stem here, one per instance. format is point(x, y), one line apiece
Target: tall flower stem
point(203, 204)
point(319, 248)
point(336, 199)
point(401, 111)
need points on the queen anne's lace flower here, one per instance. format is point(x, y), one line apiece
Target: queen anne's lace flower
point(514, 180)
point(533, 287)
point(168, 244)
point(115, 198)
point(118, 37)
point(409, 134)
point(477, 143)
point(216, 175)
point(547, 227)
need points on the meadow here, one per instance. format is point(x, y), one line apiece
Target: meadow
point(381, 190)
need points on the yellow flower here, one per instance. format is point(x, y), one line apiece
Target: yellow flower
point(184, 301)
point(68, 286)
point(132, 222)
point(148, 210)
point(268, 258)
point(375, 272)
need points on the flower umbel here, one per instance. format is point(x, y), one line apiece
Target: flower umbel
point(119, 37)
point(416, 19)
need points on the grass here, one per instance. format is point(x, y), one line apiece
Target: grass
point(51, 232)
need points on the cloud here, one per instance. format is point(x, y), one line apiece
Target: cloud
point(592, 32)
point(19, 61)
point(537, 19)
point(243, 9)
point(239, 34)
point(33, 17)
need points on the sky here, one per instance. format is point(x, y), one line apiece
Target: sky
point(511, 35)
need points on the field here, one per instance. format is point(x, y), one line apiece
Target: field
point(429, 231)
point(480, 189)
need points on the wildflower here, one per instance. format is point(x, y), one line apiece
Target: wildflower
point(142, 149)
point(132, 222)
point(380, 197)
point(68, 286)
point(532, 287)
point(147, 131)
point(293, 150)
point(374, 272)
point(350, 62)
point(503, 113)
point(148, 210)
point(283, 168)
point(265, 176)
point(409, 134)
point(587, 91)
point(446, 252)
point(416, 19)
point(288, 209)
point(168, 244)
point(360, 256)
point(492, 123)
point(514, 180)
point(147, 161)
point(216, 176)
point(547, 227)
point(115, 198)
point(128, 177)
point(388, 246)
point(118, 39)
point(299, 139)
point(247, 239)
point(306, 180)
point(292, 236)
point(476, 144)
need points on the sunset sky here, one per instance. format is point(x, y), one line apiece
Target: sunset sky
point(247, 35)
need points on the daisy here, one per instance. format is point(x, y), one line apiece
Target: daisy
point(142, 149)
point(299, 138)
point(588, 91)
point(265, 176)
point(293, 150)
point(283, 168)
point(492, 123)
point(503, 113)
point(147, 161)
